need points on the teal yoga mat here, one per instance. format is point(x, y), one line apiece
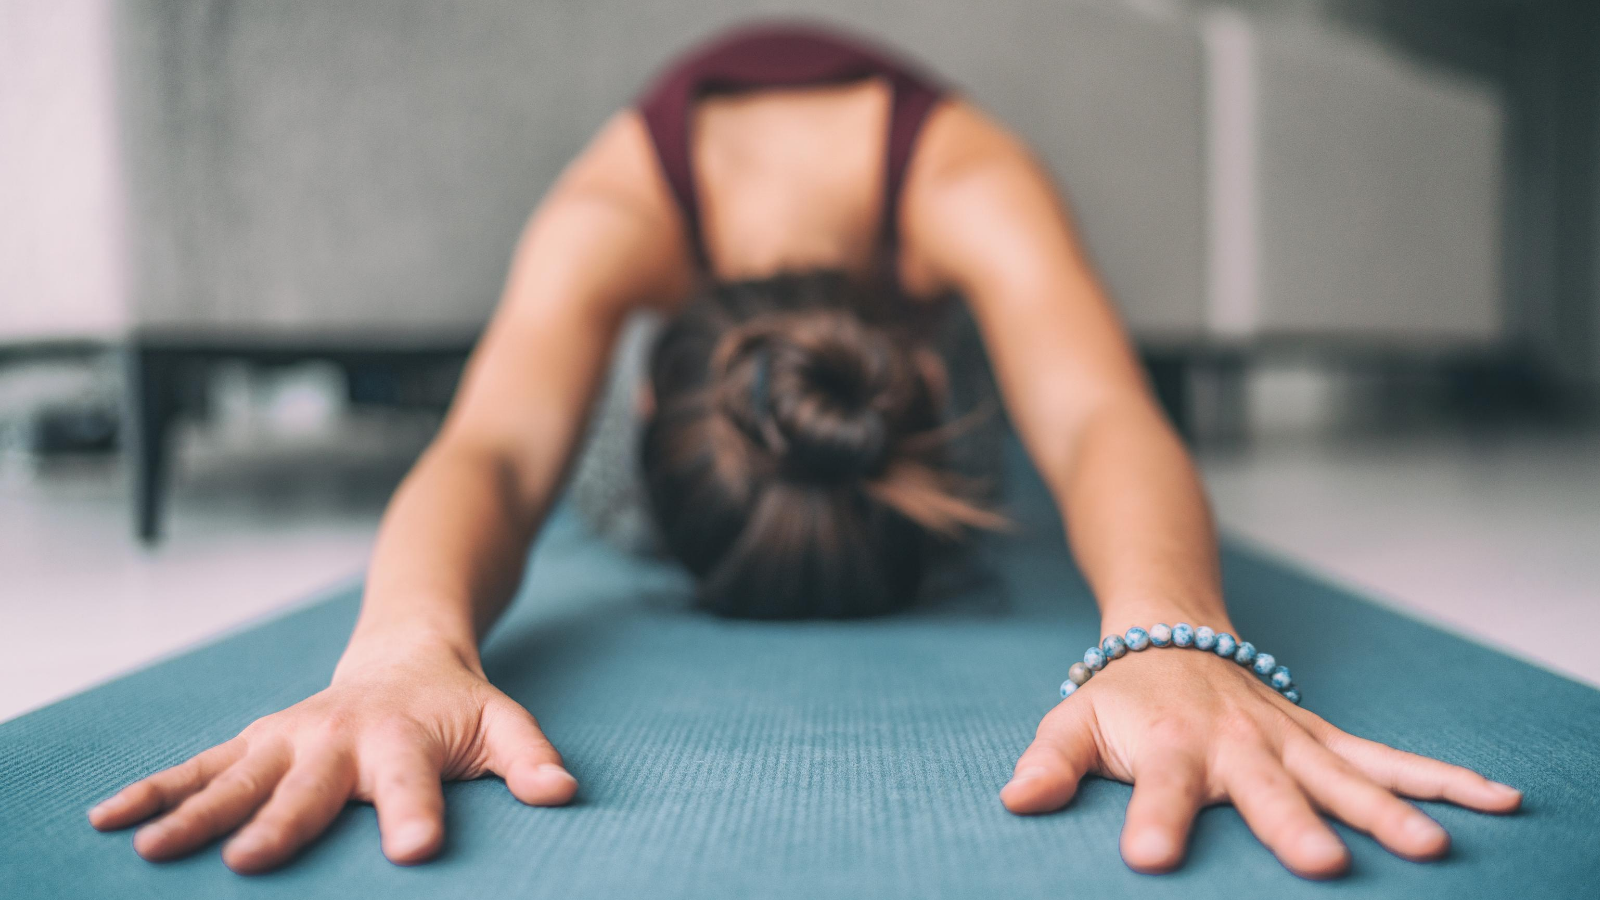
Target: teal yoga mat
point(817, 760)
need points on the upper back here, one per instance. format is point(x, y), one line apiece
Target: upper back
point(785, 146)
point(784, 149)
point(790, 180)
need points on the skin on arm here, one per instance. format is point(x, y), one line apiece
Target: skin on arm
point(1186, 729)
point(606, 241)
point(409, 705)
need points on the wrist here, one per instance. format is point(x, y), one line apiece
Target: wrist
point(1118, 618)
point(374, 650)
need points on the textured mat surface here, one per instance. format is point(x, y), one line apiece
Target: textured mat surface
point(724, 759)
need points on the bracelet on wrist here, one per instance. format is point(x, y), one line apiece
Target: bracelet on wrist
point(1115, 646)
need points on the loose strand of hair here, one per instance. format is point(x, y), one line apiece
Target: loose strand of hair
point(933, 500)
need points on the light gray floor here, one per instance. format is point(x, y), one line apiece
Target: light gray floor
point(255, 527)
point(1497, 538)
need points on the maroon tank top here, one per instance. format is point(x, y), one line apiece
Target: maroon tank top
point(773, 56)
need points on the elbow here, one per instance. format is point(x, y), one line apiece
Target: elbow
point(1130, 421)
point(497, 470)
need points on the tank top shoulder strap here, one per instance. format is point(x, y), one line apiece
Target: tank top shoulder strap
point(771, 56)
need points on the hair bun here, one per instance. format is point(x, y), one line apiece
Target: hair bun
point(794, 458)
point(822, 393)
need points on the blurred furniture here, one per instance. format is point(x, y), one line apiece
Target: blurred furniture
point(1356, 194)
point(346, 179)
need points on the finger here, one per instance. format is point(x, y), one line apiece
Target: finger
point(301, 807)
point(1337, 787)
point(218, 808)
point(163, 790)
point(1419, 776)
point(521, 754)
point(406, 790)
point(1274, 807)
point(1168, 790)
point(1047, 774)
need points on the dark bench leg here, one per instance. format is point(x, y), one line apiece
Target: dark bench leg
point(151, 403)
point(1169, 375)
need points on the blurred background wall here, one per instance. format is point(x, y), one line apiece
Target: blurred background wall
point(294, 164)
point(1415, 169)
point(61, 187)
point(300, 162)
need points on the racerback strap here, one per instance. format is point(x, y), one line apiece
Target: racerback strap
point(775, 56)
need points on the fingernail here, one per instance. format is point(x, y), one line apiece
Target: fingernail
point(245, 844)
point(410, 838)
point(1505, 789)
point(551, 770)
point(146, 836)
point(1322, 845)
point(1027, 774)
point(1422, 828)
point(1151, 846)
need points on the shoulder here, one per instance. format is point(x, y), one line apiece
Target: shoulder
point(975, 195)
point(611, 211)
point(959, 138)
point(619, 169)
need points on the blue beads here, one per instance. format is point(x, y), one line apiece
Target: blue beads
point(1113, 647)
point(1245, 654)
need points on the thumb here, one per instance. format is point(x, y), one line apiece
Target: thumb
point(1048, 772)
point(520, 753)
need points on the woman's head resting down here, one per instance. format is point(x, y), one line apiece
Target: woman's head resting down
point(793, 453)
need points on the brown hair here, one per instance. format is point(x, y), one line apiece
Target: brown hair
point(793, 460)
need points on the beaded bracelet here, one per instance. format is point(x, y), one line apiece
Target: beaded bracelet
point(1180, 635)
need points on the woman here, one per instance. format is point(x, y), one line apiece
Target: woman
point(794, 460)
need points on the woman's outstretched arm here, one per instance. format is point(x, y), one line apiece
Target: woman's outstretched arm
point(408, 705)
point(1186, 729)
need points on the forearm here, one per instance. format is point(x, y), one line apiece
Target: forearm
point(1138, 522)
point(449, 555)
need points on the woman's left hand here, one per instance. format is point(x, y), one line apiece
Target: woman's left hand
point(1190, 729)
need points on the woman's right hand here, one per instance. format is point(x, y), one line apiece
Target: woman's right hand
point(387, 731)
